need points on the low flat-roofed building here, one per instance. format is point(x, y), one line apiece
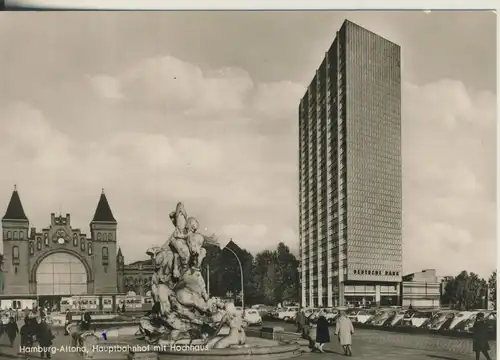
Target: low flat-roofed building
point(421, 290)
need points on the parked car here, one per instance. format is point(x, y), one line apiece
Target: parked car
point(361, 316)
point(383, 317)
point(263, 310)
point(252, 317)
point(416, 318)
point(287, 313)
point(398, 318)
point(461, 318)
point(467, 322)
point(441, 320)
point(258, 306)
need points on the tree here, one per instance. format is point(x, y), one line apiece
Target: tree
point(270, 278)
point(276, 275)
point(466, 291)
point(288, 275)
point(225, 274)
point(492, 287)
point(265, 276)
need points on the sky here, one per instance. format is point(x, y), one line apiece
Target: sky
point(201, 107)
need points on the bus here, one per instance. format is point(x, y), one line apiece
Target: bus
point(106, 303)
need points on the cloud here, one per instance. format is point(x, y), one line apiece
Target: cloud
point(274, 100)
point(158, 132)
point(180, 86)
point(27, 134)
point(449, 178)
point(106, 87)
point(165, 130)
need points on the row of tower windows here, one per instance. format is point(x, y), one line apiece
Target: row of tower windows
point(105, 237)
point(14, 235)
point(20, 236)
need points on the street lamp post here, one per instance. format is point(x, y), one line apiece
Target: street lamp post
point(241, 277)
point(208, 279)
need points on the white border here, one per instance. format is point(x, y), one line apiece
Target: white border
point(258, 4)
point(276, 5)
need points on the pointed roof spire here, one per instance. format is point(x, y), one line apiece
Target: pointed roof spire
point(120, 251)
point(103, 211)
point(15, 209)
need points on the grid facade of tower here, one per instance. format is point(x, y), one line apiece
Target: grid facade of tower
point(350, 173)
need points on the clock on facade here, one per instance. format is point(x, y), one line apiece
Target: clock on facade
point(60, 237)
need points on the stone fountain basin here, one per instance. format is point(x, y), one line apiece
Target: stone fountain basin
point(256, 347)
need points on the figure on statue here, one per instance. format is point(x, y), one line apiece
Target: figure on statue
point(177, 241)
point(179, 290)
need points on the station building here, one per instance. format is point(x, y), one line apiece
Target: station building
point(62, 260)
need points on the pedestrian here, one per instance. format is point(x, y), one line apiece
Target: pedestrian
point(33, 326)
point(86, 321)
point(309, 333)
point(480, 337)
point(344, 331)
point(68, 320)
point(123, 307)
point(45, 337)
point(26, 338)
point(301, 321)
point(12, 330)
point(322, 333)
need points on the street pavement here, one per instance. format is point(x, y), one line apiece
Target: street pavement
point(365, 351)
point(367, 344)
point(377, 344)
point(6, 352)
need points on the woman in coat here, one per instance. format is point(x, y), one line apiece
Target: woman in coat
point(480, 337)
point(12, 330)
point(344, 331)
point(322, 333)
point(26, 338)
point(45, 337)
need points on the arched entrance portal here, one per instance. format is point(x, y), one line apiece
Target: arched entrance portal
point(61, 274)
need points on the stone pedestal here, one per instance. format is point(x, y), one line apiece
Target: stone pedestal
point(271, 332)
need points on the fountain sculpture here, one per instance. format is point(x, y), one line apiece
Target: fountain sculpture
point(182, 309)
point(185, 321)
